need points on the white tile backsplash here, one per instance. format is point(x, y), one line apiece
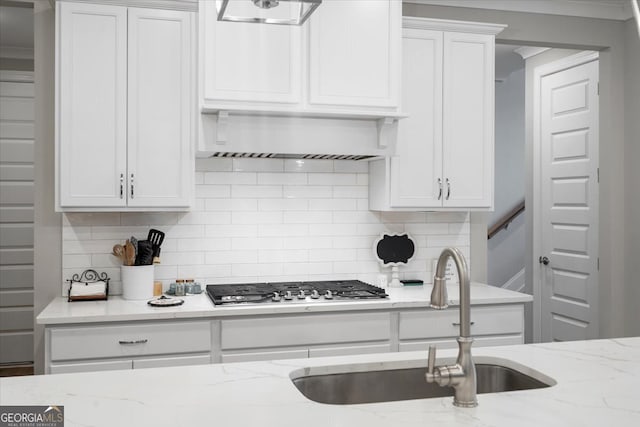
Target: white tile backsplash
point(266, 219)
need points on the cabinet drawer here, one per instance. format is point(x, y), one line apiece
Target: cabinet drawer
point(346, 351)
point(484, 341)
point(487, 320)
point(265, 355)
point(305, 330)
point(129, 340)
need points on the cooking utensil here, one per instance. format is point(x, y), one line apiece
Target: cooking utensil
point(156, 237)
point(145, 253)
point(134, 242)
point(130, 253)
point(118, 251)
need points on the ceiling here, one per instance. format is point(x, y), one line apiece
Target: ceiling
point(605, 9)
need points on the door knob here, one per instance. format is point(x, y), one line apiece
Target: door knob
point(543, 260)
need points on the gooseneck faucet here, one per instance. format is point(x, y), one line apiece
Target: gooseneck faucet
point(461, 375)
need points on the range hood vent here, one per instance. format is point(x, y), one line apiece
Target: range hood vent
point(291, 156)
point(239, 134)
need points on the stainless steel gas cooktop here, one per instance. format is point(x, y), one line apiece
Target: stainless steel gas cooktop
point(291, 292)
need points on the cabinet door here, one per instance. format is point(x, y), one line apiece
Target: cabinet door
point(161, 107)
point(416, 170)
point(248, 62)
point(107, 365)
point(468, 120)
point(91, 104)
point(354, 53)
point(161, 362)
point(259, 355)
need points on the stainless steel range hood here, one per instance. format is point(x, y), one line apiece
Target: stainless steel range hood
point(247, 134)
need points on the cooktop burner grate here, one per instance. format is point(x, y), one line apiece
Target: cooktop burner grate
point(329, 290)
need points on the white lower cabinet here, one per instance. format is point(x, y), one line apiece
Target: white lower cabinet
point(307, 335)
point(490, 325)
point(108, 346)
point(129, 346)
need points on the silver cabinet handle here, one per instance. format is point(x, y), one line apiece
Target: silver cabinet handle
point(458, 323)
point(440, 191)
point(448, 189)
point(132, 185)
point(133, 342)
point(121, 185)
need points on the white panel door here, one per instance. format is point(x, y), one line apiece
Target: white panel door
point(354, 53)
point(249, 62)
point(91, 104)
point(416, 170)
point(468, 120)
point(160, 106)
point(569, 196)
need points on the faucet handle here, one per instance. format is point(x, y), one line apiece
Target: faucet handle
point(431, 364)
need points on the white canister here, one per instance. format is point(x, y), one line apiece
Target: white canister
point(137, 281)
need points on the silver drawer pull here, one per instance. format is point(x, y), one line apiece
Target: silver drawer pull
point(458, 323)
point(144, 341)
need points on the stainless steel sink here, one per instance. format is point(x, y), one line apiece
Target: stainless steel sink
point(345, 388)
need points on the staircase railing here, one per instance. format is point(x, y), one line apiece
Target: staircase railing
point(505, 220)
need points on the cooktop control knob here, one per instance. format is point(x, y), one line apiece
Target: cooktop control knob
point(315, 294)
point(288, 296)
point(301, 294)
point(276, 297)
point(328, 294)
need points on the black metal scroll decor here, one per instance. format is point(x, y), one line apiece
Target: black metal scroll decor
point(79, 283)
point(395, 249)
point(90, 276)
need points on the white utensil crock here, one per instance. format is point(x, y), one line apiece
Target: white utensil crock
point(137, 282)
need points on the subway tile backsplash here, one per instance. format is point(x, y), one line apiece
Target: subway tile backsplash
point(266, 220)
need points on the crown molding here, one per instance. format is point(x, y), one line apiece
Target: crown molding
point(529, 51)
point(187, 5)
point(449, 25)
point(619, 10)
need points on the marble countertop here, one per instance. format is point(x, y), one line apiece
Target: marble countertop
point(116, 309)
point(596, 385)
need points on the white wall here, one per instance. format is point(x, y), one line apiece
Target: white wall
point(266, 220)
point(47, 224)
point(632, 177)
point(506, 250)
point(608, 37)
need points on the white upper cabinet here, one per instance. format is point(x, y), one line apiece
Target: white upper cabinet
point(91, 104)
point(354, 53)
point(125, 107)
point(416, 169)
point(468, 120)
point(249, 62)
point(444, 154)
point(344, 61)
point(160, 106)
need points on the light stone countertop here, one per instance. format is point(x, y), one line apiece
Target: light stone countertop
point(116, 309)
point(596, 385)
